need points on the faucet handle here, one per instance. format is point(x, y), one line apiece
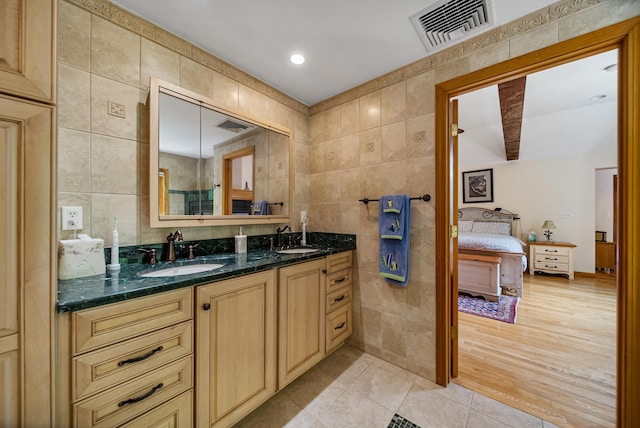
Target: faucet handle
point(149, 256)
point(190, 248)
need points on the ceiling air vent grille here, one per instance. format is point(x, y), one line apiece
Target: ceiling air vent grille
point(232, 126)
point(446, 22)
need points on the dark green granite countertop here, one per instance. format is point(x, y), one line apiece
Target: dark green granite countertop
point(92, 291)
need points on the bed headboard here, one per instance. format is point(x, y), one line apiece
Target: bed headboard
point(487, 215)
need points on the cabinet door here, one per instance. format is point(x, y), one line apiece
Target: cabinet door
point(301, 319)
point(235, 347)
point(26, 48)
point(26, 261)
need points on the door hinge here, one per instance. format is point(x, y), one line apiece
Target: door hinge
point(453, 332)
point(453, 231)
point(454, 129)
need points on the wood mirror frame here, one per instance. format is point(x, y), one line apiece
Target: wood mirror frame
point(157, 218)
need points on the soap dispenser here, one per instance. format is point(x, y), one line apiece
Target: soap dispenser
point(241, 242)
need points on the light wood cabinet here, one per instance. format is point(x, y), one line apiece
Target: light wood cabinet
point(339, 296)
point(27, 192)
point(606, 257)
point(27, 39)
point(551, 257)
point(27, 266)
point(236, 347)
point(128, 359)
point(301, 319)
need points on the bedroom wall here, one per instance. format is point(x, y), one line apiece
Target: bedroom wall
point(553, 186)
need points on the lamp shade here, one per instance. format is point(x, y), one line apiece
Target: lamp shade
point(548, 224)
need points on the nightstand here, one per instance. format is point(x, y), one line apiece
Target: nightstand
point(551, 257)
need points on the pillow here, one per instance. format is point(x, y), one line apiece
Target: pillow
point(465, 225)
point(499, 228)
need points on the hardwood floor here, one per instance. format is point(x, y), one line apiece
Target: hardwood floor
point(558, 362)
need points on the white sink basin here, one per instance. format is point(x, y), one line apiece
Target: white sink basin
point(297, 251)
point(182, 270)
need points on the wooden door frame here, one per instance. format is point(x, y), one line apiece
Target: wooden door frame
point(227, 173)
point(624, 36)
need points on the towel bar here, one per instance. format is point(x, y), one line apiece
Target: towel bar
point(425, 198)
point(276, 203)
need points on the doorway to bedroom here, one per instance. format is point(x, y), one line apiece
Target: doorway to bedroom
point(556, 360)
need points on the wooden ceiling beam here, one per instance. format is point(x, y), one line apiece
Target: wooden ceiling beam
point(511, 95)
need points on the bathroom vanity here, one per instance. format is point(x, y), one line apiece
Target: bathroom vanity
point(201, 349)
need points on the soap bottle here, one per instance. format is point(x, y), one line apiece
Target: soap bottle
point(241, 242)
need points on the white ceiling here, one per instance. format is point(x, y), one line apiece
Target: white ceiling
point(559, 117)
point(346, 43)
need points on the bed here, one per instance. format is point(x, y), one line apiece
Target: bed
point(491, 257)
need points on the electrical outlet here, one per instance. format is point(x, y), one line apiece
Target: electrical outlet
point(115, 109)
point(303, 215)
point(71, 218)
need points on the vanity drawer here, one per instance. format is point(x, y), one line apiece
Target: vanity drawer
point(133, 398)
point(339, 261)
point(338, 327)
point(175, 413)
point(339, 279)
point(103, 368)
point(338, 298)
point(96, 327)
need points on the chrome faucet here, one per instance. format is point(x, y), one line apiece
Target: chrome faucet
point(279, 233)
point(170, 255)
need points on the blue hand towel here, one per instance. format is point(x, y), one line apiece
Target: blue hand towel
point(392, 203)
point(261, 208)
point(391, 224)
point(393, 260)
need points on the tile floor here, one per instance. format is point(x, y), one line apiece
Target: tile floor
point(350, 388)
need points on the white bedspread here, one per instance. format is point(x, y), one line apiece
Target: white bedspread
point(491, 242)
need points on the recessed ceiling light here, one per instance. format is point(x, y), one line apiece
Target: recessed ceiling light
point(598, 97)
point(297, 59)
point(612, 67)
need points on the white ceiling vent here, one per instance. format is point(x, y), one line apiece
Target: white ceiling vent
point(448, 21)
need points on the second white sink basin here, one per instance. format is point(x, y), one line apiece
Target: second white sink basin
point(298, 251)
point(182, 270)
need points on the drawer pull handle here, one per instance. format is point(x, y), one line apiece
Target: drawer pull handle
point(551, 258)
point(340, 280)
point(340, 326)
point(147, 395)
point(551, 267)
point(141, 357)
point(339, 299)
point(551, 251)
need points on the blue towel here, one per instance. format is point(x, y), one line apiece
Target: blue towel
point(392, 203)
point(261, 208)
point(391, 224)
point(393, 262)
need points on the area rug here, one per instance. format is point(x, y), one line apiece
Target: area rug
point(504, 310)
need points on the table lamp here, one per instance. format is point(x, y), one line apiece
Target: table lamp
point(547, 226)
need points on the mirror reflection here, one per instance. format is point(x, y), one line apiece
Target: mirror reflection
point(212, 164)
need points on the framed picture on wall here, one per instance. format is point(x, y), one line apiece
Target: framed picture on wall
point(477, 186)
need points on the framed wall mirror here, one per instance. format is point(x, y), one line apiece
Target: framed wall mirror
point(209, 166)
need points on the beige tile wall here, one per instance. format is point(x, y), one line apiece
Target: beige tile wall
point(374, 139)
point(378, 138)
point(107, 55)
